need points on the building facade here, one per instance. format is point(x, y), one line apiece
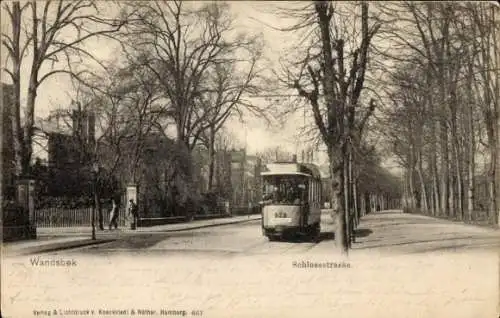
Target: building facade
point(245, 179)
point(236, 177)
point(70, 155)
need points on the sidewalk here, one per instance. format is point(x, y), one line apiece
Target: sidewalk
point(393, 231)
point(49, 244)
point(199, 224)
point(54, 239)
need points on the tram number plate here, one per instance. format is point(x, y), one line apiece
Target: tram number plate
point(282, 220)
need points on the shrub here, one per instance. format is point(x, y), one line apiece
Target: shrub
point(13, 214)
point(63, 202)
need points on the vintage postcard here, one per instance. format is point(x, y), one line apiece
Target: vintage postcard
point(247, 159)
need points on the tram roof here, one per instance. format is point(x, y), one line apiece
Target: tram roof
point(281, 168)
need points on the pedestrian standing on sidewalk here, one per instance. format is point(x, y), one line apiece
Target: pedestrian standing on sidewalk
point(113, 217)
point(133, 213)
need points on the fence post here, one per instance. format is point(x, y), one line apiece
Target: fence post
point(25, 198)
point(131, 195)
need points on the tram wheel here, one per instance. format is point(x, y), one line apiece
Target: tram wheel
point(315, 233)
point(273, 238)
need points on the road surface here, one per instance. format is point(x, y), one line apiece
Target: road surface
point(401, 266)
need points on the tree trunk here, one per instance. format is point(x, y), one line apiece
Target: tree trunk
point(356, 202)
point(406, 205)
point(15, 113)
point(435, 183)
point(471, 144)
point(366, 203)
point(456, 201)
point(337, 173)
point(29, 120)
point(492, 206)
point(444, 168)
point(348, 193)
point(97, 202)
point(470, 182)
point(411, 188)
point(460, 187)
point(347, 206)
point(433, 155)
point(362, 207)
point(423, 190)
point(335, 111)
point(452, 180)
point(211, 157)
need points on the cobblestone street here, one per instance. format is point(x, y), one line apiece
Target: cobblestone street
point(233, 271)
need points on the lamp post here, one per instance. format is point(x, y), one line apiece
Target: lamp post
point(95, 170)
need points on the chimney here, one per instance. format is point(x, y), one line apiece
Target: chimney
point(294, 158)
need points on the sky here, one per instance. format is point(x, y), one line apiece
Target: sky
point(256, 135)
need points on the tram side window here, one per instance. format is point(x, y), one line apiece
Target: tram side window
point(318, 195)
point(318, 191)
point(312, 191)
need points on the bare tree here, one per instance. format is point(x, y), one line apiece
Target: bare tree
point(46, 39)
point(179, 44)
point(16, 51)
point(331, 78)
point(225, 94)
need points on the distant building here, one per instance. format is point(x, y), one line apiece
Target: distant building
point(63, 151)
point(222, 173)
point(245, 178)
point(236, 176)
point(69, 154)
point(84, 126)
point(72, 151)
point(7, 140)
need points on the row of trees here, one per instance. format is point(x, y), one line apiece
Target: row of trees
point(445, 117)
point(431, 68)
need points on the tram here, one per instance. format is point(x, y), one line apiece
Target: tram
point(291, 204)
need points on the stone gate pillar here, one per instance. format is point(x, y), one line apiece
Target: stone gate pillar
point(130, 195)
point(25, 195)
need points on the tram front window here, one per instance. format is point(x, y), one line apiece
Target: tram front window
point(285, 190)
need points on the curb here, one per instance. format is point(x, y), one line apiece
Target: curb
point(194, 227)
point(58, 247)
point(151, 229)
